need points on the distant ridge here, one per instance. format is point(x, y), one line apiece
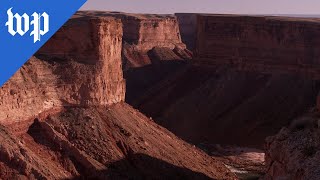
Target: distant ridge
point(297, 15)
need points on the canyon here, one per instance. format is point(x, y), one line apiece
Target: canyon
point(249, 77)
point(97, 99)
point(63, 116)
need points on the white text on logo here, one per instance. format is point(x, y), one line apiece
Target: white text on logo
point(39, 21)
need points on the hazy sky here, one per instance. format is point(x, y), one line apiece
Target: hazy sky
point(208, 6)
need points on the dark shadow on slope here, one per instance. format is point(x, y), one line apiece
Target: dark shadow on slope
point(140, 80)
point(39, 136)
point(204, 104)
point(142, 166)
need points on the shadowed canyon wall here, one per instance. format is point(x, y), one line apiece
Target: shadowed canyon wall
point(250, 77)
point(79, 66)
point(261, 43)
point(188, 28)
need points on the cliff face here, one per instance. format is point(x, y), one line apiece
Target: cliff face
point(149, 31)
point(142, 33)
point(266, 44)
point(245, 80)
point(79, 66)
point(188, 28)
point(152, 50)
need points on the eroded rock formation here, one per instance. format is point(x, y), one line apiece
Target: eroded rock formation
point(80, 66)
point(142, 33)
point(293, 153)
point(64, 118)
point(152, 50)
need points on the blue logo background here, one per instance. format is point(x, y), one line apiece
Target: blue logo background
point(16, 50)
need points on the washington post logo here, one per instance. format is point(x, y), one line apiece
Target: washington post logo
point(20, 24)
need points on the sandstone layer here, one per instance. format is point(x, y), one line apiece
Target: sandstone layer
point(142, 33)
point(265, 44)
point(79, 66)
point(148, 31)
point(152, 49)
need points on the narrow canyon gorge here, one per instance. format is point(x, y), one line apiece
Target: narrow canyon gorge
point(187, 96)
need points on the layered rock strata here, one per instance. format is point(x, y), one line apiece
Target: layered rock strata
point(161, 31)
point(142, 33)
point(79, 66)
point(264, 44)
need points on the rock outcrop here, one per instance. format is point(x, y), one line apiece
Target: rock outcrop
point(152, 49)
point(293, 153)
point(142, 33)
point(79, 66)
point(264, 44)
point(149, 31)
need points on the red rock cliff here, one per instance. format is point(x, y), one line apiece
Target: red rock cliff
point(149, 31)
point(142, 33)
point(81, 67)
point(261, 43)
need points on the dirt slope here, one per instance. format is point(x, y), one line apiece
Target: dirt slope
point(204, 104)
point(115, 142)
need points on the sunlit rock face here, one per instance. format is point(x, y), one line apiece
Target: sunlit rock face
point(79, 66)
